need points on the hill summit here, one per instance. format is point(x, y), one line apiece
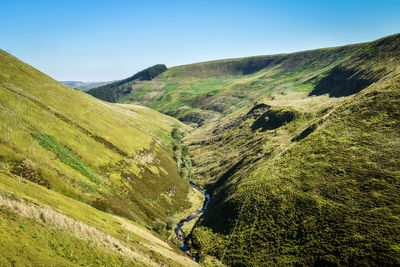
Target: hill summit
point(113, 92)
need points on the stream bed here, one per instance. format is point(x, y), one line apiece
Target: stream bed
point(178, 231)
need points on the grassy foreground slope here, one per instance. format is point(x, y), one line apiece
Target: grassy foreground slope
point(67, 162)
point(201, 92)
point(308, 180)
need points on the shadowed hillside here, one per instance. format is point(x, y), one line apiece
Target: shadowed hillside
point(370, 64)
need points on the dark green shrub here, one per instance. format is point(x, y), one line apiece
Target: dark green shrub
point(171, 222)
point(159, 226)
point(176, 134)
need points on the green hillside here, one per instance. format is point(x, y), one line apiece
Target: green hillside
point(83, 182)
point(199, 93)
point(306, 178)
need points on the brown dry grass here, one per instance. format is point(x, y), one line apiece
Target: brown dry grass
point(79, 229)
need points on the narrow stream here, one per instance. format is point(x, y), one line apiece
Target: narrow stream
point(178, 231)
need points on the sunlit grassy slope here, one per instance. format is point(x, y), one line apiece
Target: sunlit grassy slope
point(300, 179)
point(201, 92)
point(78, 175)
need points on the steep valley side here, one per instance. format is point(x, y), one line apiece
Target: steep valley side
point(82, 181)
point(300, 179)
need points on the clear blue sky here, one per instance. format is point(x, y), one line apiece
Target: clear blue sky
point(95, 40)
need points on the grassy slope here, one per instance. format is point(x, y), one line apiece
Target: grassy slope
point(199, 93)
point(314, 180)
point(45, 228)
point(117, 158)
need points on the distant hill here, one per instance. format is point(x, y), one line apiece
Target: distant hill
point(115, 91)
point(84, 86)
point(73, 83)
